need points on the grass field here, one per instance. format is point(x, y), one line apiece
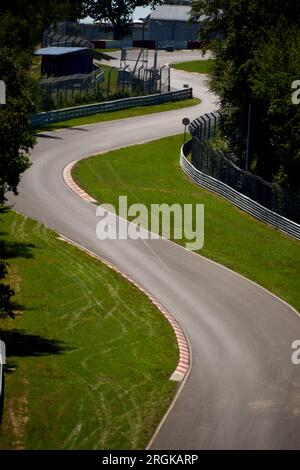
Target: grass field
point(123, 114)
point(198, 66)
point(150, 173)
point(111, 79)
point(93, 356)
point(109, 49)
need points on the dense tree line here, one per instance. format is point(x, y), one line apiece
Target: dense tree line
point(257, 60)
point(21, 27)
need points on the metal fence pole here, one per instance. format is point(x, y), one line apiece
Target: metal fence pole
point(108, 85)
point(248, 138)
point(222, 167)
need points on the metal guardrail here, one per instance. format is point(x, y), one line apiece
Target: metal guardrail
point(225, 168)
point(240, 200)
point(48, 117)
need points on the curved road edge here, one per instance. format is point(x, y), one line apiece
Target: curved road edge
point(177, 375)
point(184, 363)
point(242, 386)
point(70, 183)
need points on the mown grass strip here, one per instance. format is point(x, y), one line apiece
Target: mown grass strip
point(109, 49)
point(150, 173)
point(123, 114)
point(93, 356)
point(196, 66)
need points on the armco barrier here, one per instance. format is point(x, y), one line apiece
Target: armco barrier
point(42, 119)
point(240, 200)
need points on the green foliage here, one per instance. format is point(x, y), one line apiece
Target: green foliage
point(16, 135)
point(276, 66)
point(150, 173)
point(256, 63)
point(91, 352)
point(23, 22)
point(21, 27)
point(195, 66)
point(219, 142)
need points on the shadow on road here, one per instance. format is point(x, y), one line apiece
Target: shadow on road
point(48, 136)
point(82, 129)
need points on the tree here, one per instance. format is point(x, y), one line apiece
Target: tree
point(117, 12)
point(243, 29)
point(16, 134)
point(21, 28)
point(22, 22)
point(276, 66)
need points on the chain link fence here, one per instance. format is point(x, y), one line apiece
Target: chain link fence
point(133, 78)
point(138, 77)
point(221, 167)
point(70, 89)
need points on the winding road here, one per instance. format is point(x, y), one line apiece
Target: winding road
point(242, 392)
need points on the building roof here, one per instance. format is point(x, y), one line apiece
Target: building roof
point(55, 51)
point(171, 12)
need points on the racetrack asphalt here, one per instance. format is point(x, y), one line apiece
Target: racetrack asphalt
point(243, 392)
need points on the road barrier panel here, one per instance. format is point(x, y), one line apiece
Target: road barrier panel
point(240, 200)
point(58, 115)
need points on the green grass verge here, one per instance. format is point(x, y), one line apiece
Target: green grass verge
point(123, 114)
point(198, 66)
point(93, 356)
point(110, 79)
point(150, 173)
point(109, 49)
